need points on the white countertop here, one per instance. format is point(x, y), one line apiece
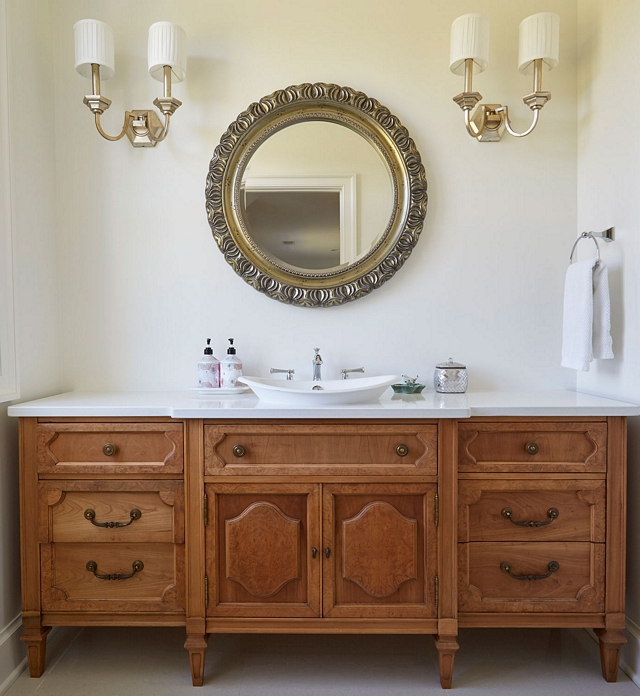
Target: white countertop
point(188, 404)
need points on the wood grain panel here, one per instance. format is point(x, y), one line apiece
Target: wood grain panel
point(382, 550)
point(139, 448)
point(577, 586)
point(259, 542)
point(67, 585)
point(263, 549)
point(320, 449)
point(379, 549)
point(565, 446)
point(580, 506)
point(63, 505)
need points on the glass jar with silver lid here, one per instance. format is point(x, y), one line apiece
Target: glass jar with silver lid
point(451, 378)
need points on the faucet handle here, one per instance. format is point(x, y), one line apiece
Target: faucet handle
point(289, 373)
point(345, 373)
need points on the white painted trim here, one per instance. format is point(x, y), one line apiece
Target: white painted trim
point(9, 647)
point(344, 185)
point(10, 629)
point(9, 389)
point(630, 658)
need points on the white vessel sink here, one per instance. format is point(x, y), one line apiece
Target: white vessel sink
point(331, 393)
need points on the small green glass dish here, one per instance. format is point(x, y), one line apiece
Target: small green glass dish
point(407, 388)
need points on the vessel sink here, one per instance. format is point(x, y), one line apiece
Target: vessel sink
point(325, 393)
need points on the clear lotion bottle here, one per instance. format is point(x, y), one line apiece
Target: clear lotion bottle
point(230, 368)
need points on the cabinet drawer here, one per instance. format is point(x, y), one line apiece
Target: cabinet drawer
point(576, 585)
point(511, 510)
point(322, 449)
point(117, 448)
point(111, 511)
point(532, 447)
point(68, 585)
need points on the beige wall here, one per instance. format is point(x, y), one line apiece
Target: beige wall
point(33, 193)
point(143, 282)
point(608, 194)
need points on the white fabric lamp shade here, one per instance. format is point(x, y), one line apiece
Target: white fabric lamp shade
point(167, 46)
point(469, 39)
point(539, 38)
point(94, 44)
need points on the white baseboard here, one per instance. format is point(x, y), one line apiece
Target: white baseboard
point(630, 657)
point(630, 653)
point(12, 654)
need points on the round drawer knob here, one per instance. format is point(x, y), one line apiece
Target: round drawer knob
point(402, 450)
point(532, 448)
point(238, 451)
point(109, 450)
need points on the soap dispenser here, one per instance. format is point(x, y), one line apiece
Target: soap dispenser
point(208, 369)
point(230, 368)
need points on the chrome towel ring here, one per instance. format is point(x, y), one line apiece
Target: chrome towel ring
point(607, 236)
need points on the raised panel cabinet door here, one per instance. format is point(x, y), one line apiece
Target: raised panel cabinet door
point(262, 550)
point(379, 550)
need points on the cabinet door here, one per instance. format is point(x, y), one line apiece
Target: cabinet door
point(379, 550)
point(260, 556)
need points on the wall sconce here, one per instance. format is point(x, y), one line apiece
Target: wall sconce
point(539, 46)
point(167, 59)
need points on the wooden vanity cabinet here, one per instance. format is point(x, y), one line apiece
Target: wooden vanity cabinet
point(299, 526)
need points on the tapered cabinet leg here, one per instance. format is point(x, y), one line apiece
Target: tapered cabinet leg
point(196, 644)
point(36, 642)
point(447, 647)
point(610, 643)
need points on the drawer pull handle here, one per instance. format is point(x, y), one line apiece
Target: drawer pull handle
point(553, 567)
point(314, 552)
point(238, 451)
point(92, 567)
point(402, 450)
point(109, 450)
point(90, 515)
point(532, 448)
point(552, 513)
point(327, 552)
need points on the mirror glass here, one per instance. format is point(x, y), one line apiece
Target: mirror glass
point(316, 196)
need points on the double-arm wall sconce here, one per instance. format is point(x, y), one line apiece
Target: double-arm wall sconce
point(167, 61)
point(539, 46)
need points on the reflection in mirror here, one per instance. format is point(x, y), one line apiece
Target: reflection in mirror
point(316, 196)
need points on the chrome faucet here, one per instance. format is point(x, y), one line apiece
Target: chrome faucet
point(345, 373)
point(289, 373)
point(317, 366)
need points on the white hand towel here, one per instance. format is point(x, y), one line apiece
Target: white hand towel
point(587, 315)
point(602, 341)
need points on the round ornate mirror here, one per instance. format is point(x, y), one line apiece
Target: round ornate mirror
point(316, 195)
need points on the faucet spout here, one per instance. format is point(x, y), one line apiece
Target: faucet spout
point(317, 366)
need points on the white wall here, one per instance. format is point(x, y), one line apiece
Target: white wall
point(33, 195)
point(143, 282)
point(608, 194)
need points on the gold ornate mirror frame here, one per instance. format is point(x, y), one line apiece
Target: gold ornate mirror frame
point(300, 103)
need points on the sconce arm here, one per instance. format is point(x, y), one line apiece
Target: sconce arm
point(127, 120)
point(505, 111)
